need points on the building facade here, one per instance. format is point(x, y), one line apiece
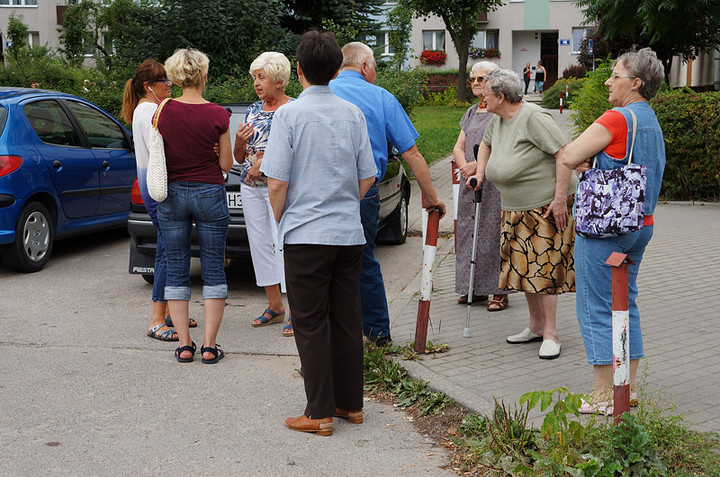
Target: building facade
point(532, 30)
point(42, 17)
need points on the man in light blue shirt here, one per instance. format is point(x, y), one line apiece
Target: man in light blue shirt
point(386, 121)
point(319, 165)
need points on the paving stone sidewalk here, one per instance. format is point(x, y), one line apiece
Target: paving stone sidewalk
point(679, 300)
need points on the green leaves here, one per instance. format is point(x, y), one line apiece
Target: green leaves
point(670, 27)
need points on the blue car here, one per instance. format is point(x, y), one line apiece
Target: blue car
point(66, 168)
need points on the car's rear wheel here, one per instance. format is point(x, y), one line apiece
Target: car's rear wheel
point(34, 234)
point(149, 278)
point(395, 232)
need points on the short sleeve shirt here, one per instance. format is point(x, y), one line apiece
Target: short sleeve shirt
point(190, 132)
point(615, 122)
point(319, 145)
point(385, 117)
point(261, 122)
point(522, 162)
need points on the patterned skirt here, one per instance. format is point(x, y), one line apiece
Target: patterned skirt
point(535, 256)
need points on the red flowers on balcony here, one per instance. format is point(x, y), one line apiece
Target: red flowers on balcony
point(433, 57)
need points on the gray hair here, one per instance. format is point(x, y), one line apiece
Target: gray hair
point(187, 67)
point(644, 64)
point(354, 53)
point(276, 66)
point(488, 66)
point(508, 83)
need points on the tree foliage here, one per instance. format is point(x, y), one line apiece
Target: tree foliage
point(300, 15)
point(230, 32)
point(460, 19)
point(670, 27)
point(399, 22)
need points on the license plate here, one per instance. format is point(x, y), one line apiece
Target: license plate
point(233, 200)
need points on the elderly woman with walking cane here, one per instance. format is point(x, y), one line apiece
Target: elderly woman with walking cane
point(519, 155)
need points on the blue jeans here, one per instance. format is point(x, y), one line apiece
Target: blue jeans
point(375, 316)
point(160, 271)
point(593, 288)
point(160, 275)
point(206, 205)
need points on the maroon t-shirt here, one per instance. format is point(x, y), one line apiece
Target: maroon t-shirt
point(190, 132)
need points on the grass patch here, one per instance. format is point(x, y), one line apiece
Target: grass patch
point(439, 127)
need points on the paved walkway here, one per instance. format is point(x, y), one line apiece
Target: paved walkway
point(679, 304)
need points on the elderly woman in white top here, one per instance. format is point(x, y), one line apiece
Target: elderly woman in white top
point(271, 72)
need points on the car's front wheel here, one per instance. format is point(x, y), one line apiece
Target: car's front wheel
point(34, 233)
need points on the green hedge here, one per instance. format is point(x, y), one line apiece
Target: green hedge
point(691, 126)
point(592, 100)
point(551, 97)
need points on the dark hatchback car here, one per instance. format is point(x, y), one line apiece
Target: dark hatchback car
point(66, 168)
point(394, 197)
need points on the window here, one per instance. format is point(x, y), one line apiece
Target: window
point(18, 3)
point(384, 44)
point(486, 39)
point(33, 39)
point(102, 132)
point(433, 39)
point(577, 37)
point(51, 124)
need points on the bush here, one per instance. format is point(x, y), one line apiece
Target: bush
point(574, 71)
point(404, 85)
point(691, 126)
point(551, 96)
point(441, 98)
point(592, 100)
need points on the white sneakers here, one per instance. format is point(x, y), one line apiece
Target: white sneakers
point(526, 336)
point(549, 350)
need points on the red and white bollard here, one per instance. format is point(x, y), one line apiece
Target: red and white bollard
point(456, 176)
point(429, 252)
point(621, 333)
point(561, 102)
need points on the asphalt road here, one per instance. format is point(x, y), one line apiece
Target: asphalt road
point(83, 391)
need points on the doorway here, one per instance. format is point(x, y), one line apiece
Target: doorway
point(549, 56)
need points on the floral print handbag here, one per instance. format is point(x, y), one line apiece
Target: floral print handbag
point(611, 202)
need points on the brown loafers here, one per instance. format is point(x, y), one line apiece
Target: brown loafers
point(355, 417)
point(321, 427)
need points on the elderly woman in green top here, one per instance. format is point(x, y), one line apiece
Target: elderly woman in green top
point(519, 155)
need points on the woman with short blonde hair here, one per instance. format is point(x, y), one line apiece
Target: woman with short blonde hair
point(271, 73)
point(187, 67)
point(191, 126)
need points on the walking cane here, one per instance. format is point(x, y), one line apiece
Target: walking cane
point(478, 199)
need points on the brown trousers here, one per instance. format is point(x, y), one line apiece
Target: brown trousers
point(323, 286)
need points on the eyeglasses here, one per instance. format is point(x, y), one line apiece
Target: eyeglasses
point(614, 76)
point(478, 79)
point(167, 81)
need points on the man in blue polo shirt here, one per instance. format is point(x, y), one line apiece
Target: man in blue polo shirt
point(386, 121)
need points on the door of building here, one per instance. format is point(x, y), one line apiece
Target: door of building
point(549, 57)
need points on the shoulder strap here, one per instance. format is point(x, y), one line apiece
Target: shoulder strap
point(157, 113)
point(632, 144)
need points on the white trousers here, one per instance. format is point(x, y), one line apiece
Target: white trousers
point(261, 228)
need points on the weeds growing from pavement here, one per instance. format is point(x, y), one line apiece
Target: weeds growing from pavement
point(651, 442)
point(383, 374)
